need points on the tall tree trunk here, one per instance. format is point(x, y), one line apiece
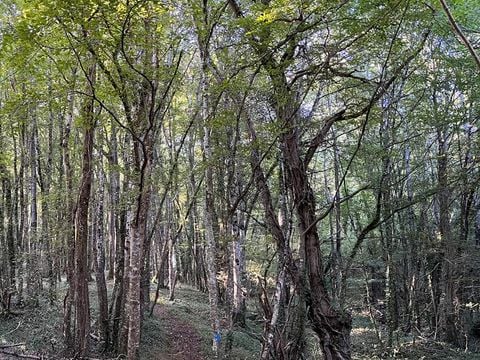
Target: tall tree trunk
point(99, 257)
point(9, 234)
point(19, 203)
point(114, 200)
point(117, 307)
point(7, 220)
point(69, 220)
point(448, 245)
point(138, 232)
point(277, 335)
point(239, 258)
point(336, 245)
point(331, 325)
point(33, 280)
point(45, 177)
point(210, 218)
point(118, 226)
point(387, 229)
point(197, 268)
point(82, 271)
point(171, 240)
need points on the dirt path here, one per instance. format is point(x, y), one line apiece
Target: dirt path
point(185, 342)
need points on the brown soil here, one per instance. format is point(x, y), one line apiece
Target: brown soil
point(185, 342)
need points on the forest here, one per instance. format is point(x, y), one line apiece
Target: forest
point(239, 179)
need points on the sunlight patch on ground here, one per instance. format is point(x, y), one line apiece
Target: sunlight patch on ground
point(362, 331)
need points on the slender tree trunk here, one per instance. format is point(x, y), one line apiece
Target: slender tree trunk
point(33, 238)
point(137, 236)
point(45, 177)
point(387, 230)
point(7, 219)
point(119, 214)
point(413, 259)
point(451, 331)
point(117, 307)
point(9, 234)
point(172, 268)
point(477, 220)
point(336, 246)
point(69, 220)
point(114, 197)
point(82, 271)
point(99, 258)
point(197, 269)
point(170, 251)
point(238, 251)
point(23, 223)
point(18, 217)
point(210, 218)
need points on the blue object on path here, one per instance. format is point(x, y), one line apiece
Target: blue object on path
point(217, 337)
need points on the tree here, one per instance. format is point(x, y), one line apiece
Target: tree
point(299, 148)
point(82, 308)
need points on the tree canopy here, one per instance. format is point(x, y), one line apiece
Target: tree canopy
point(306, 163)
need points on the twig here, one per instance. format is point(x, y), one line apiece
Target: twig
point(23, 356)
point(5, 346)
point(11, 331)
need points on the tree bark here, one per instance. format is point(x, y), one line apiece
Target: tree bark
point(99, 258)
point(451, 330)
point(117, 307)
point(210, 238)
point(82, 271)
point(138, 232)
point(69, 219)
point(33, 279)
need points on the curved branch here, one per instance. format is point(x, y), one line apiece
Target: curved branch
point(459, 33)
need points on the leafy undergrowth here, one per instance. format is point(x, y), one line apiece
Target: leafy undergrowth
point(421, 349)
point(38, 330)
point(180, 330)
point(367, 346)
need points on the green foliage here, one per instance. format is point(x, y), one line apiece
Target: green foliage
point(312, 58)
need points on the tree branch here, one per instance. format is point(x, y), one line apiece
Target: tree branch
point(459, 33)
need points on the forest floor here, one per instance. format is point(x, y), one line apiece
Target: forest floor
point(186, 330)
point(366, 345)
point(183, 339)
point(180, 330)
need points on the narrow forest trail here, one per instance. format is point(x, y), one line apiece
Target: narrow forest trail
point(180, 330)
point(183, 339)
